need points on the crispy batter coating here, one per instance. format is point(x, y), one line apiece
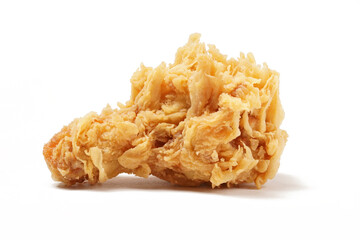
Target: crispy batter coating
point(204, 118)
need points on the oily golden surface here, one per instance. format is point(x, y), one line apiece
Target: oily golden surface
point(204, 118)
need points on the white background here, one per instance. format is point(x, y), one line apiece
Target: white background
point(61, 59)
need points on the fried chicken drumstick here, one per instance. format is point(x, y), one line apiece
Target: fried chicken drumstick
point(204, 118)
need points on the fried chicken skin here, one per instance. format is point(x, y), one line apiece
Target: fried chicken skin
point(203, 119)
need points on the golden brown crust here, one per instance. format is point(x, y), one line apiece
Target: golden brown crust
point(203, 119)
point(52, 159)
